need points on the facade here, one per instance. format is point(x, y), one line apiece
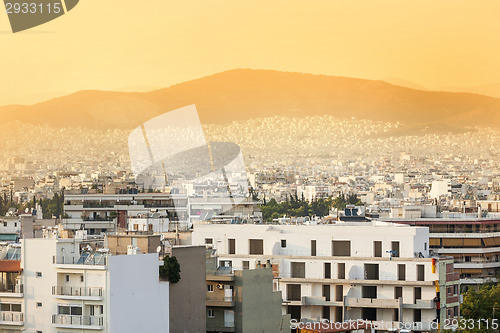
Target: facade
point(358, 270)
point(107, 212)
point(474, 244)
point(243, 301)
point(187, 297)
point(64, 286)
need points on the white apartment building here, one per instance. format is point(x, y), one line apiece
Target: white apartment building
point(63, 286)
point(358, 270)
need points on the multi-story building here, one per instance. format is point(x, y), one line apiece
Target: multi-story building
point(358, 270)
point(243, 300)
point(474, 244)
point(107, 212)
point(65, 286)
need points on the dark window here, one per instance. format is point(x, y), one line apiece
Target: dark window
point(232, 246)
point(371, 271)
point(341, 270)
point(369, 313)
point(328, 270)
point(377, 249)
point(326, 292)
point(417, 293)
point(326, 312)
point(420, 272)
point(395, 249)
point(401, 272)
point(246, 264)
point(395, 316)
point(293, 292)
point(398, 292)
point(209, 241)
point(417, 315)
point(313, 248)
point(298, 269)
point(369, 292)
point(341, 248)
point(283, 243)
point(256, 246)
point(339, 293)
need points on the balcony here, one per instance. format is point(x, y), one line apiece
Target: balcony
point(311, 300)
point(81, 293)
point(11, 318)
point(78, 322)
point(420, 304)
point(372, 303)
point(12, 291)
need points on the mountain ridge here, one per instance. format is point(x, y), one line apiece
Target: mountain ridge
point(242, 94)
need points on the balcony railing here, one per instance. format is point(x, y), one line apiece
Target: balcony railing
point(71, 320)
point(96, 259)
point(77, 291)
point(11, 316)
point(17, 289)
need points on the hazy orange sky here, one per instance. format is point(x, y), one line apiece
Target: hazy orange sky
point(111, 45)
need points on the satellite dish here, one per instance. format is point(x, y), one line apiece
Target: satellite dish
point(158, 249)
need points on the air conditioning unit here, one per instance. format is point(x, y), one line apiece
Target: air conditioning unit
point(220, 286)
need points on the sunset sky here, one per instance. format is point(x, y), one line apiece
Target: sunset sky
point(112, 45)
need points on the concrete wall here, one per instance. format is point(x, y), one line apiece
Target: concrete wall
point(258, 308)
point(37, 257)
point(138, 301)
point(188, 296)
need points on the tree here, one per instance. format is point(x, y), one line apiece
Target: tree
point(478, 304)
point(171, 269)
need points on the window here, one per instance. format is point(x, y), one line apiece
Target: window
point(417, 293)
point(326, 312)
point(371, 271)
point(246, 264)
point(72, 310)
point(38, 274)
point(232, 246)
point(326, 292)
point(209, 241)
point(10, 307)
point(293, 292)
point(283, 243)
point(66, 278)
point(417, 315)
point(328, 270)
point(339, 293)
point(377, 249)
point(369, 291)
point(210, 313)
point(256, 246)
point(395, 249)
point(313, 248)
point(401, 272)
point(425, 246)
point(210, 287)
point(38, 304)
point(420, 272)
point(298, 269)
point(5, 224)
point(341, 270)
point(15, 224)
point(341, 248)
point(398, 292)
point(81, 278)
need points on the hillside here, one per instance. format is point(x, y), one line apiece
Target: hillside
point(244, 94)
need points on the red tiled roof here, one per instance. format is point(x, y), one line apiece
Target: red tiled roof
point(10, 266)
